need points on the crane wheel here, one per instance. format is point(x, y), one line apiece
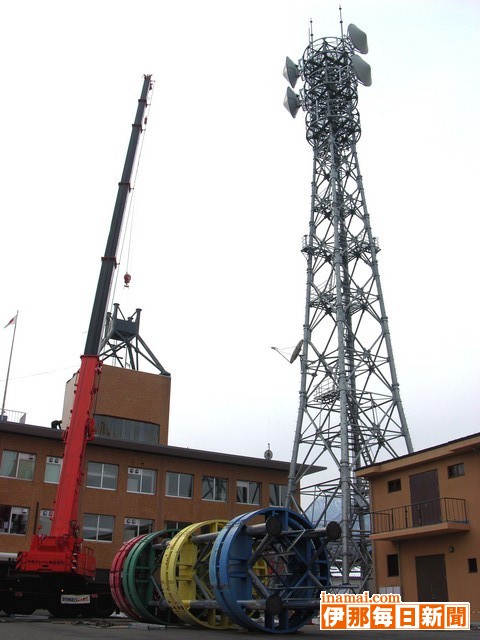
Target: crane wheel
point(101, 607)
point(23, 606)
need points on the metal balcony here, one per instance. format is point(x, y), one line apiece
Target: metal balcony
point(9, 415)
point(433, 517)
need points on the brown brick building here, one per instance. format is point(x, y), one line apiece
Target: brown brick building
point(425, 511)
point(134, 481)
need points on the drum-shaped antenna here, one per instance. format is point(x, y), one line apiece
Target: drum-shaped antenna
point(358, 38)
point(291, 102)
point(291, 72)
point(362, 70)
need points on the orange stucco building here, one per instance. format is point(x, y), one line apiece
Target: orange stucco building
point(425, 516)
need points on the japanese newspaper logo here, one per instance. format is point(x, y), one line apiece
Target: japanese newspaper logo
point(383, 611)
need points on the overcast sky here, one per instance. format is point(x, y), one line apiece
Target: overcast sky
point(222, 201)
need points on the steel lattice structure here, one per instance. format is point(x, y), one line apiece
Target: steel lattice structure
point(350, 412)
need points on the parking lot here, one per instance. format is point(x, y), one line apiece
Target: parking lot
point(41, 626)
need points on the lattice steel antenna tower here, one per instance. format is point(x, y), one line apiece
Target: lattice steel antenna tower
point(350, 413)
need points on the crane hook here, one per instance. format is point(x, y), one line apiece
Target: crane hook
point(126, 279)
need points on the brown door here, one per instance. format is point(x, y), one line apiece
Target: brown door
point(425, 498)
point(431, 578)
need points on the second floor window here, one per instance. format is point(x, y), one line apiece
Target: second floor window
point(278, 493)
point(179, 485)
point(248, 492)
point(15, 464)
point(394, 485)
point(53, 466)
point(141, 480)
point(214, 488)
point(456, 470)
point(102, 476)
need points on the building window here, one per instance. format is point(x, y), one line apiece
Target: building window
point(15, 464)
point(179, 485)
point(455, 470)
point(141, 480)
point(248, 492)
point(214, 488)
point(45, 521)
point(392, 565)
point(134, 527)
point(123, 429)
point(394, 485)
point(102, 476)
point(53, 466)
point(278, 494)
point(98, 527)
point(13, 519)
point(176, 525)
point(472, 565)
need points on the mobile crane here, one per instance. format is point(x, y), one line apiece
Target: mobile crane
point(58, 568)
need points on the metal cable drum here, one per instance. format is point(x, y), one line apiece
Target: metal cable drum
point(141, 578)
point(116, 581)
point(185, 576)
point(285, 596)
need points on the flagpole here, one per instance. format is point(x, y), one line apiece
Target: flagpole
point(8, 369)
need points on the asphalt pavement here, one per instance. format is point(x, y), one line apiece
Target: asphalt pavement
point(42, 627)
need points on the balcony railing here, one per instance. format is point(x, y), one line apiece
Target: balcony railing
point(420, 514)
point(9, 415)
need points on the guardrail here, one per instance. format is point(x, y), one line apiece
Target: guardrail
point(9, 415)
point(420, 514)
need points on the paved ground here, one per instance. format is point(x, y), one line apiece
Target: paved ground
point(41, 627)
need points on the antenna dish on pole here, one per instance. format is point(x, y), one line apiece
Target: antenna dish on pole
point(291, 102)
point(291, 72)
point(358, 38)
point(362, 70)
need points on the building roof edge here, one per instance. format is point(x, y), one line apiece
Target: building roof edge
point(465, 443)
point(180, 452)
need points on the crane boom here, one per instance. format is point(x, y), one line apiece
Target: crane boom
point(62, 551)
point(109, 261)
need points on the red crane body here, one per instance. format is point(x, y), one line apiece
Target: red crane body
point(63, 551)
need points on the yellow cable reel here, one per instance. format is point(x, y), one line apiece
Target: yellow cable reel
point(184, 575)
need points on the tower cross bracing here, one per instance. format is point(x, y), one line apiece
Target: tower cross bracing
point(350, 413)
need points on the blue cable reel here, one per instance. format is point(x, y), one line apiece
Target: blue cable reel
point(267, 569)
